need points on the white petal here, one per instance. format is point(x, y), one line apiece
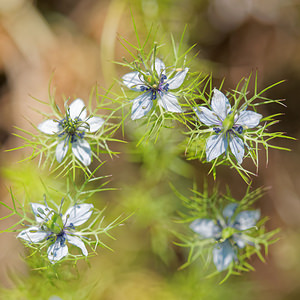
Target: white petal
point(215, 146)
point(241, 243)
point(62, 149)
point(169, 102)
point(82, 150)
point(76, 241)
point(95, 123)
point(41, 212)
point(223, 255)
point(141, 106)
point(77, 214)
point(133, 81)
point(49, 127)
point(77, 109)
point(159, 67)
point(57, 250)
point(237, 147)
point(205, 227)
point(220, 104)
point(33, 234)
point(207, 116)
point(177, 80)
point(248, 118)
point(229, 210)
point(246, 219)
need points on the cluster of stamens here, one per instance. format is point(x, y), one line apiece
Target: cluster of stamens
point(70, 127)
point(154, 89)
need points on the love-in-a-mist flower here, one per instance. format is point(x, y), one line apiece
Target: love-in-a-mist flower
point(156, 85)
point(229, 231)
point(71, 131)
point(58, 229)
point(228, 125)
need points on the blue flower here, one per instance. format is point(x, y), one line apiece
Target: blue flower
point(228, 231)
point(58, 229)
point(71, 131)
point(228, 126)
point(154, 86)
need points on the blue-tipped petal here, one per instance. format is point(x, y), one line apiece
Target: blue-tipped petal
point(220, 104)
point(33, 234)
point(77, 214)
point(76, 241)
point(141, 106)
point(77, 110)
point(57, 250)
point(207, 116)
point(206, 228)
point(49, 127)
point(240, 242)
point(248, 118)
point(159, 66)
point(215, 146)
point(95, 123)
point(61, 150)
point(246, 219)
point(169, 102)
point(237, 147)
point(177, 80)
point(41, 212)
point(133, 81)
point(229, 210)
point(82, 150)
point(223, 255)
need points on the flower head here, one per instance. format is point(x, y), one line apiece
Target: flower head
point(228, 126)
point(229, 232)
point(154, 86)
point(71, 131)
point(58, 229)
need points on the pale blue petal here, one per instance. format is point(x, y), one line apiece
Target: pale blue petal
point(33, 234)
point(223, 255)
point(57, 250)
point(41, 212)
point(246, 219)
point(248, 118)
point(177, 80)
point(169, 102)
point(215, 146)
point(141, 106)
point(61, 150)
point(241, 243)
point(159, 67)
point(77, 214)
point(82, 151)
point(206, 116)
point(95, 123)
point(229, 210)
point(76, 241)
point(77, 110)
point(237, 147)
point(220, 104)
point(133, 81)
point(205, 227)
point(49, 127)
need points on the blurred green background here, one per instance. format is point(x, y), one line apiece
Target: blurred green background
point(76, 40)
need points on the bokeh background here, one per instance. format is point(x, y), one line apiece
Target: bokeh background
point(75, 41)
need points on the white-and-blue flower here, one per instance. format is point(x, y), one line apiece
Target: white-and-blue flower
point(154, 86)
point(229, 232)
point(71, 131)
point(227, 125)
point(58, 229)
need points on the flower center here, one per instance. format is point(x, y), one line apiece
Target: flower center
point(55, 223)
point(71, 128)
point(154, 87)
point(227, 232)
point(228, 122)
